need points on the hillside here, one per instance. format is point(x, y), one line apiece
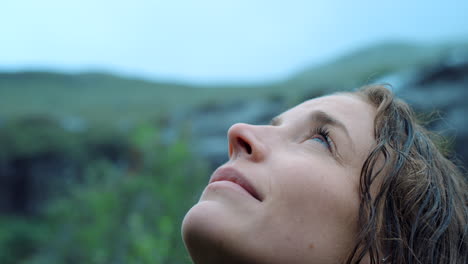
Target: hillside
point(97, 97)
point(108, 99)
point(83, 155)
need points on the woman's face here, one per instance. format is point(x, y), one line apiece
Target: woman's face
point(299, 197)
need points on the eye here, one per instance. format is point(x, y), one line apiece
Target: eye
point(321, 135)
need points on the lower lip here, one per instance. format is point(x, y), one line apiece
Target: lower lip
point(228, 185)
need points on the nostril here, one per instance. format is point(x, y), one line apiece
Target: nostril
point(245, 145)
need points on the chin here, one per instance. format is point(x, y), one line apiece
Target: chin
point(220, 213)
point(203, 223)
point(194, 222)
point(211, 235)
point(212, 219)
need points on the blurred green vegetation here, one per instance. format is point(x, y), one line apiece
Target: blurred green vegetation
point(114, 215)
point(131, 213)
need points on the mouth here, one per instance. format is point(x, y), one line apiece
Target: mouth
point(232, 175)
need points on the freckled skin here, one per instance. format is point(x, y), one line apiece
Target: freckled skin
point(310, 206)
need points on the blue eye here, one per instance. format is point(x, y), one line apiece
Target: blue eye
point(321, 141)
point(321, 135)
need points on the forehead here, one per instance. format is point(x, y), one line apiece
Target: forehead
point(347, 106)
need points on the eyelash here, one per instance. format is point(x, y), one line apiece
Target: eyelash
point(324, 133)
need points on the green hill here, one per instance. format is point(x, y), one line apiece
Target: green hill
point(97, 97)
point(109, 99)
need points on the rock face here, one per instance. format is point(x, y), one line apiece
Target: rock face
point(442, 88)
point(209, 125)
point(26, 183)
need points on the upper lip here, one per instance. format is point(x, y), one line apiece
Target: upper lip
point(232, 175)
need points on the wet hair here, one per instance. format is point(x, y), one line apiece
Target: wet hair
point(417, 209)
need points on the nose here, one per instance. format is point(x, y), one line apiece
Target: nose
point(244, 142)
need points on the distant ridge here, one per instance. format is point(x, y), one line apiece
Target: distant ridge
point(107, 97)
point(363, 65)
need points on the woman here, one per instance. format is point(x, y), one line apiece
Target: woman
point(345, 178)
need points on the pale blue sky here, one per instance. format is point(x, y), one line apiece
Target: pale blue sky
point(211, 40)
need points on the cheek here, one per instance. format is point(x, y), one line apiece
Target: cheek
point(319, 193)
point(316, 203)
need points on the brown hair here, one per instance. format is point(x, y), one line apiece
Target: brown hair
point(419, 212)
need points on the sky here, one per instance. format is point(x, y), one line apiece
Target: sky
point(210, 41)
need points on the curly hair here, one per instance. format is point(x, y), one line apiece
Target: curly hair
point(417, 211)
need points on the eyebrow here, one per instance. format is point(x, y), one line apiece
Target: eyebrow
point(325, 119)
point(316, 116)
point(321, 118)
